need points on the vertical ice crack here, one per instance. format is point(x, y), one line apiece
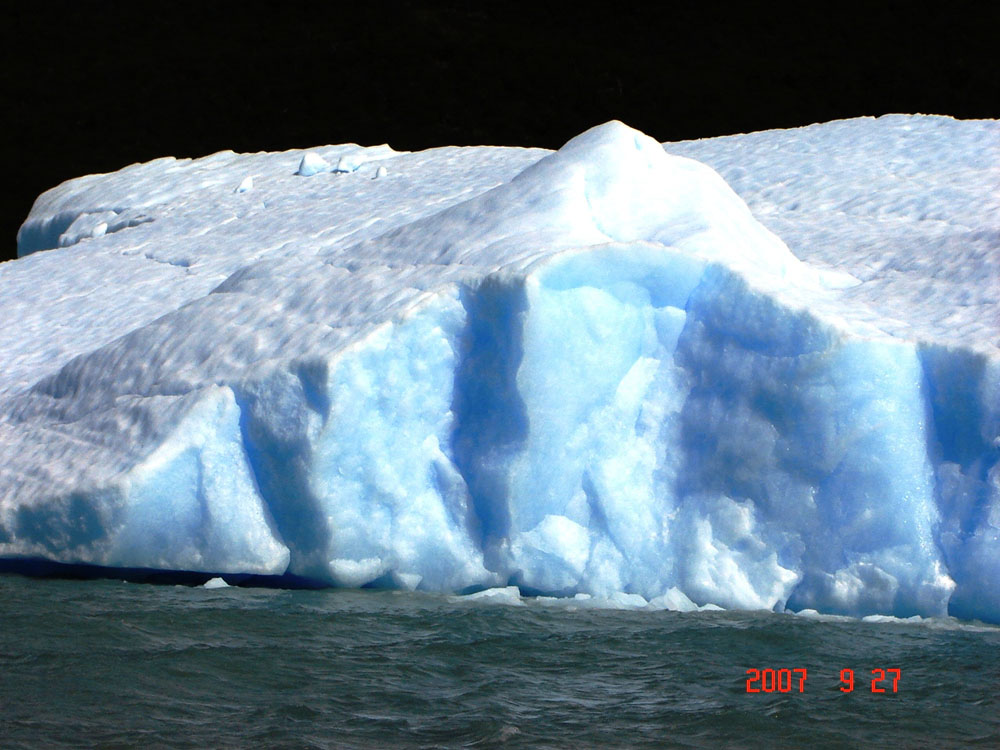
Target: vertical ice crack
point(490, 416)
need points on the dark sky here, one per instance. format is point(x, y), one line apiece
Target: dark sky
point(93, 86)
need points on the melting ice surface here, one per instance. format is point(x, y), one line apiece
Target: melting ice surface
point(592, 372)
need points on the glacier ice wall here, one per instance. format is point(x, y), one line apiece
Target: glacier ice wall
point(588, 371)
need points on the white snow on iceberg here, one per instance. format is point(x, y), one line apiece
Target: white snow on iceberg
point(593, 371)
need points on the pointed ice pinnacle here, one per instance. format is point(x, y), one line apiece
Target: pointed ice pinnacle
point(311, 164)
point(349, 163)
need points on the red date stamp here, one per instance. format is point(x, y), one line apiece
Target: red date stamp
point(794, 680)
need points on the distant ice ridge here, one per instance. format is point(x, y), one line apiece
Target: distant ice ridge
point(588, 372)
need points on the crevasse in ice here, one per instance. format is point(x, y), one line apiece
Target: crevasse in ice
point(591, 371)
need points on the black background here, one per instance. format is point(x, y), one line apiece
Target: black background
point(93, 86)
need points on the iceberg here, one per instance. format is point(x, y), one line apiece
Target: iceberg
point(758, 371)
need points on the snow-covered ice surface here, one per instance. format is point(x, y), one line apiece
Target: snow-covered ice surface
point(586, 373)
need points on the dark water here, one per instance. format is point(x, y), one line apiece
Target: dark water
point(110, 664)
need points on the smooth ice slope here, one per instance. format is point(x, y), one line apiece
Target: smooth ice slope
point(592, 371)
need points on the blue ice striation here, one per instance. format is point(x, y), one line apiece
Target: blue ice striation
point(596, 371)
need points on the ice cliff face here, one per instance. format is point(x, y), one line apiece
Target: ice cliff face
point(592, 370)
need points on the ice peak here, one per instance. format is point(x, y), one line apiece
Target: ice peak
point(612, 183)
point(615, 136)
point(611, 153)
point(634, 190)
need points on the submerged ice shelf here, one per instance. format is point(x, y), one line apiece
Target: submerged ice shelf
point(592, 371)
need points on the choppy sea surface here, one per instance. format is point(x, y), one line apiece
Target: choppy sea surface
point(112, 664)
